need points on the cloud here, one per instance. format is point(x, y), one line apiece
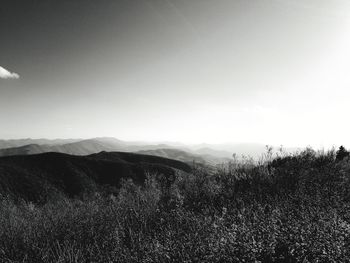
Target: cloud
point(5, 74)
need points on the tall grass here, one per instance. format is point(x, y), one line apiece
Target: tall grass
point(285, 208)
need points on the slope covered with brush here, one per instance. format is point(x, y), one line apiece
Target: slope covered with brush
point(42, 176)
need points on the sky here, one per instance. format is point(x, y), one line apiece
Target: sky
point(263, 71)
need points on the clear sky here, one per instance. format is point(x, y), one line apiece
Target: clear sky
point(266, 71)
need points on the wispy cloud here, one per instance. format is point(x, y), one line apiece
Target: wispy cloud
point(5, 74)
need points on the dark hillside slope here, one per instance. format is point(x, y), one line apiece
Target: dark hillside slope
point(40, 177)
point(141, 159)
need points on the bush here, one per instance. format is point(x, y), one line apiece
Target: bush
point(291, 208)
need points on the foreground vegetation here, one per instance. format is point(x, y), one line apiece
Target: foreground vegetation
point(285, 208)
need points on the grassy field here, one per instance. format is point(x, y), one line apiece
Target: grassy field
point(285, 208)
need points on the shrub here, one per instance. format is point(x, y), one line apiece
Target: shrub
point(290, 208)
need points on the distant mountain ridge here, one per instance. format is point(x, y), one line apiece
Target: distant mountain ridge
point(22, 142)
point(184, 156)
point(95, 145)
point(210, 153)
point(27, 150)
point(77, 147)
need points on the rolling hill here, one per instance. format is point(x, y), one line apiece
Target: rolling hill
point(27, 150)
point(42, 176)
point(80, 147)
point(22, 142)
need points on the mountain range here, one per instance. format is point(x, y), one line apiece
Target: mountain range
point(95, 145)
point(201, 153)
